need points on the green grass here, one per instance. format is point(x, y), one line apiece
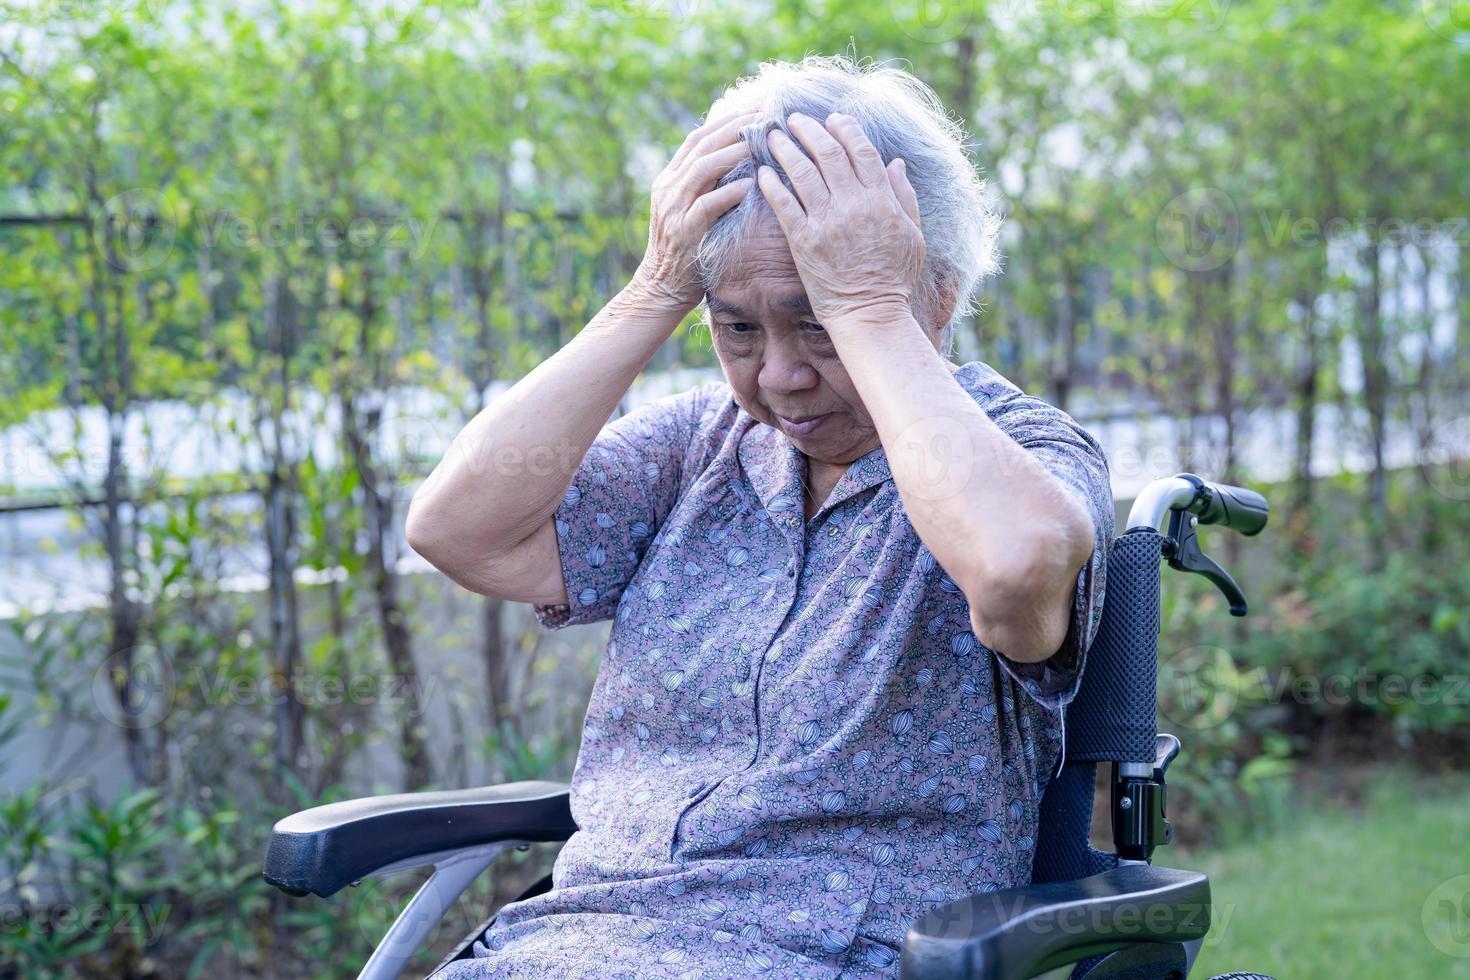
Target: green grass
point(1378, 890)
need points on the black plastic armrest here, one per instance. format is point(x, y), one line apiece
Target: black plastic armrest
point(321, 850)
point(1020, 932)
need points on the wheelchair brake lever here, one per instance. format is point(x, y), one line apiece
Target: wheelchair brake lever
point(1166, 748)
point(1181, 549)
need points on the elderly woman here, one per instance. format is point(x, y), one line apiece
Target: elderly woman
point(852, 585)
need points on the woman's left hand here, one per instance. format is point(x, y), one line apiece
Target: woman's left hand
point(853, 225)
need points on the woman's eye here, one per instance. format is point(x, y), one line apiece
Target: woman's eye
point(737, 328)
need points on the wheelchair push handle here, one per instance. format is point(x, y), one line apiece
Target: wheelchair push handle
point(1212, 503)
point(1189, 501)
point(1234, 507)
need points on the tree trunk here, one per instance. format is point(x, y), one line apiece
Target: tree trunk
point(280, 491)
point(115, 388)
point(1308, 369)
point(377, 486)
point(1064, 360)
point(500, 698)
point(1375, 397)
point(1425, 391)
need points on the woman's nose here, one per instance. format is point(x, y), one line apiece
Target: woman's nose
point(785, 369)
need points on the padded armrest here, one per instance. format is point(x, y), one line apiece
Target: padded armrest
point(1020, 932)
point(323, 849)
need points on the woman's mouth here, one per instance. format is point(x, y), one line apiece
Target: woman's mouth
point(805, 425)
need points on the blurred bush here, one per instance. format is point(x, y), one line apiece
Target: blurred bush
point(1341, 664)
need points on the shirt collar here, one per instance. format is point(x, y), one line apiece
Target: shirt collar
point(776, 468)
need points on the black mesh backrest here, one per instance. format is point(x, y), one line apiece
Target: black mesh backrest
point(1113, 718)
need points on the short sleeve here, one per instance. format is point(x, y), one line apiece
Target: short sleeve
point(1072, 455)
point(624, 488)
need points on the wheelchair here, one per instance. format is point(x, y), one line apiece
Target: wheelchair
point(1087, 913)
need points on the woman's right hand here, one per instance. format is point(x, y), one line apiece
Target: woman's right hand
point(683, 207)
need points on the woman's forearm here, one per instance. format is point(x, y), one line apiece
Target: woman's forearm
point(1006, 530)
point(508, 468)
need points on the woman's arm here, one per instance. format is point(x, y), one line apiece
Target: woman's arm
point(1011, 535)
point(503, 475)
point(483, 515)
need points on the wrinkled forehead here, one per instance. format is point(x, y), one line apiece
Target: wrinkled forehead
point(761, 263)
point(786, 300)
point(762, 282)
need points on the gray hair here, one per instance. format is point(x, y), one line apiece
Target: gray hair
point(902, 117)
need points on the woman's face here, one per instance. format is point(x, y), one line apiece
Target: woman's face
point(779, 362)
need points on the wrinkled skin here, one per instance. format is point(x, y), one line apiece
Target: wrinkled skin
point(853, 223)
point(858, 250)
point(683, 203)
point(778, 359)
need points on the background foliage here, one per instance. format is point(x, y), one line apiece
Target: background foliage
point(296, 226)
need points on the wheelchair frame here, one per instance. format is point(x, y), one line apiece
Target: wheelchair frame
point(1086, 913)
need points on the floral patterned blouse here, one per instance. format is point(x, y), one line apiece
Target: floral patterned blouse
point(795, 745)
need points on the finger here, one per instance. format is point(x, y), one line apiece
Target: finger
point(704, 171)
point(728, 123)
point(789, 213)
point(711, 124)
point(811, 189)
point(710, 206)
point(866, 164)
point(727, 135)
point(898, 179)
point(828, 154)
